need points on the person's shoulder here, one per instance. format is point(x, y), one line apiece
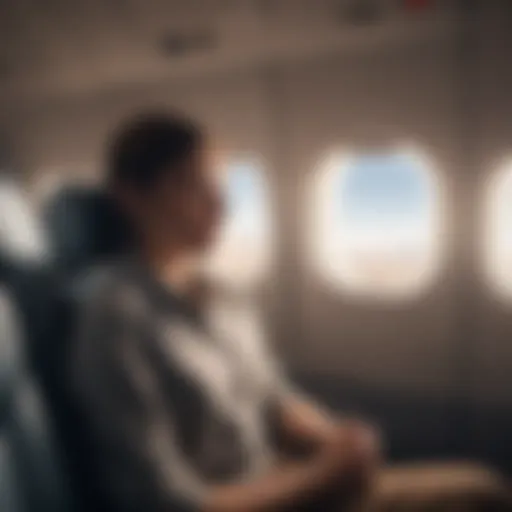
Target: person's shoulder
point(227, 293)
point(238, 307)
point(110, 287)
point(110, 307)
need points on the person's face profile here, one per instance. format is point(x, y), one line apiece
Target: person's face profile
point(188, 201)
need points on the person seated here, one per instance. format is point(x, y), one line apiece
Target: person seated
point(186, 407)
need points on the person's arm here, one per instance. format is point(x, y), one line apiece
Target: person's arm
point(306, 429)
point(281, 488)
point(127, 411)
point(302, 420)
point(302, 424)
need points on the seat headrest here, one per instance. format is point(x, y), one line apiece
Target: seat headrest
point(84, 228)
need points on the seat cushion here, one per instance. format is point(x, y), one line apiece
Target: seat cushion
point(10, 491)
point(31, 476)
point(446, 487)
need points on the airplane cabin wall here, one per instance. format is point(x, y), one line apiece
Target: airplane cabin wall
point(433, 370)
point(487, 317)
point(398, 361)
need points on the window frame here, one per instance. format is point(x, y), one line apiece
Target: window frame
point(337, 159)
point(493, 278)
point(226, 165)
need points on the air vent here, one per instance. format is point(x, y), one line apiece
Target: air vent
point(179, 43)
point(362, 12)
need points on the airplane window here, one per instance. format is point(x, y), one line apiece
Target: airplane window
point(375, 222)
point(21, 236)
point(242, 253)
point(498, 231)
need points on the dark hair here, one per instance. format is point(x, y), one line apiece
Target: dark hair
point(149, 145)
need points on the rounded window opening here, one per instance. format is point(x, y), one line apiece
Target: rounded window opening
point(376, 222)
point(498, 231)
point(242, 254)
point(21, 234)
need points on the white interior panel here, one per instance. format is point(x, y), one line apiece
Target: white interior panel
point(380, 99)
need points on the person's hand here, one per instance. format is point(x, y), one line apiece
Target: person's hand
point(351, 456)
point(352, 447)
point(365, 437)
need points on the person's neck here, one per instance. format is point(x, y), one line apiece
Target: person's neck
point(175, 267)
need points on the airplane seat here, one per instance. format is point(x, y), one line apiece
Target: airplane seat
point(83, 231)
point(32, 475)
point(9, 487)
point(31, 471)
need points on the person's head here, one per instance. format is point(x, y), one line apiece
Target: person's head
point(159, 173)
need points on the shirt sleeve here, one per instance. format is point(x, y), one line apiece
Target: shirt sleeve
point(279, 384)
point(283, 393)
point(130, 419)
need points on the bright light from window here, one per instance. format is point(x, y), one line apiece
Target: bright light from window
point(242, 253)
point(498, 231)
point(376, 222)
point(21, 234)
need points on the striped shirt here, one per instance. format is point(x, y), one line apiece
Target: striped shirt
point(175, 400)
